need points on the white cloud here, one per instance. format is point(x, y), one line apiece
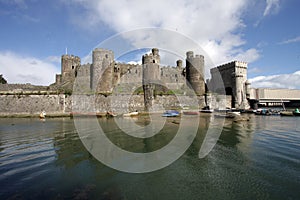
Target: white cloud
point(272, 7)
point(293, 40)
point(249, 55)
point(214, 25)
point(291, 81)
point(18, 69)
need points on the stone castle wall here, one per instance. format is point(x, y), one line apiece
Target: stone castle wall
point(60, 103)
point(34, 103)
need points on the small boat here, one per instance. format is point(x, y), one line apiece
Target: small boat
point(266, 112)
point(230, 116)
point(206, 109)
point(222, 110)
point(42, 115)
point(234, 113)
point(110, 114)
point(190, 112)
point(286, 113)
point(131, 114)
point(170, 113)
point(296, 112)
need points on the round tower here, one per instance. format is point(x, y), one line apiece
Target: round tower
point(102, 70)
point(195, 72)
point(151, 75)
point(240, 85)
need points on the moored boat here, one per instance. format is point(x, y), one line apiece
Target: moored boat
point(224, 115)
point(206, 109)
point(110, 114)
point(234, 113)
point(170, 113)
point(42, 115)
point(131, 114)
point(296, 112)
point(190, 112)
point(286, 113)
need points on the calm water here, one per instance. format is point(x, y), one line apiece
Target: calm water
point(257, 159)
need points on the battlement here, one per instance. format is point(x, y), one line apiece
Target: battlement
point(241, 64)
point(199, 56)
point(155, 51)
point(72, 57)
point(179, 63)
point(230, 65)
point(151, 57)
point(102, 50)
point(190, 54)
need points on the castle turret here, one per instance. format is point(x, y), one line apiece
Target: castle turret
point(151, 74)
point(102, 70)
point(179, 64)
point(69, 67)
point(195, 72)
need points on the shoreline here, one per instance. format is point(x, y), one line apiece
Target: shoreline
point(28, 115)
point(60, 115)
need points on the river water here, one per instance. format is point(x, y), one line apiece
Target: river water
point(255, 159)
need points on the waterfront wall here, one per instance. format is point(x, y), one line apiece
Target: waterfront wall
point(33, 103)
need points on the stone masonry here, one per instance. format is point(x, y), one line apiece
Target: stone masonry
point(231, 79)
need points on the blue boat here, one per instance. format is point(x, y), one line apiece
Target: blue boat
point(170, 113)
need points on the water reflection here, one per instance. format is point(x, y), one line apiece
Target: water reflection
point(256, 159)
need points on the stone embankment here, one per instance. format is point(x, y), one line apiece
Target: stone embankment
point(19, 103)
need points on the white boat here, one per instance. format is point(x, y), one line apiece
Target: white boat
point(207, 111)
point(110, 114)
point(234, 113)
point(131, 114)
point(43, 115)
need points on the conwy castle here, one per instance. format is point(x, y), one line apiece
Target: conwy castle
point(104, 75)
point(143, 85)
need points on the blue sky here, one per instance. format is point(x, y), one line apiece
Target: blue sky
point(264, 33)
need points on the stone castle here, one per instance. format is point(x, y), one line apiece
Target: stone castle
point(105, 75)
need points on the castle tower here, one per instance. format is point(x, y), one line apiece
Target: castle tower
point(102, 70)
point(231, 79)
point(69, 67)
point(240, 85)
point(151, 75)
point(195, 72)
point(179, 64)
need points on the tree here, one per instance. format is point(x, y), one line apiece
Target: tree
point(2, 80)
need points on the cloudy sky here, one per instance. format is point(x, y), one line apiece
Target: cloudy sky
point(265, 33)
